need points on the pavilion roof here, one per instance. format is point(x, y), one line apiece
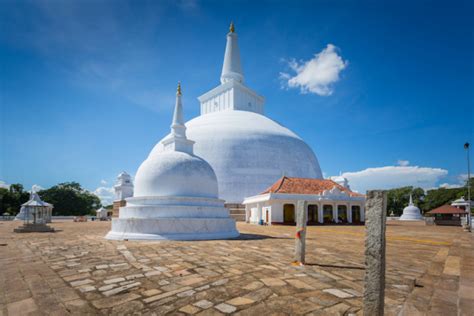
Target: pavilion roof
point(447, 209)
point(290, 185)
point(35, 200)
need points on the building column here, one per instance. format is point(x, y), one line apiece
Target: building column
point(259, 213)
point(349, 213)
point(362, 212)
point(334, 211)
point(247, 213)
point(320, 213)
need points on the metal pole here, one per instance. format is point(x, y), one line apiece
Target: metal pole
point(466, 145)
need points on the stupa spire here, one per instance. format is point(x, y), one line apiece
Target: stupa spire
point(178, 128)
point(177, 141)
point(411, 200)
point(231, 69)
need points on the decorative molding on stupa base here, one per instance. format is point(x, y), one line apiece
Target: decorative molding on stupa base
point(170, 211)
point(411, 218)
point(408, 222)
point(34, 228)
point(172, 229)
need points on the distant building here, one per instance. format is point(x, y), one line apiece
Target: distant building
point(123, 189)
point(448, 215)
point(328, 202)
point(103, 213)
point(462, 204)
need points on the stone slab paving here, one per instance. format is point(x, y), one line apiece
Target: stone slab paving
point(75, 271)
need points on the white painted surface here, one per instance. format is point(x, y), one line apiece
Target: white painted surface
point(411, 212)
point(174, 173)
point(124, 186)
point(276, 201)
point(248, 152)
point(231, 69)
point(176, 194)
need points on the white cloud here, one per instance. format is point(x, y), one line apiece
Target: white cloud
point(103, 182)
point(450, 185)
point(462, 178)
point(105, 194)
point(461, 182)
point(4, 185)
point(188, 5)
point(389, 177)
point(318, 74)
point(403, 163)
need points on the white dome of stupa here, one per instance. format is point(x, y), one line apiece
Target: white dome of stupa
point(176, 194)
point(175, 173)
point(247, 150)
point(411, 212)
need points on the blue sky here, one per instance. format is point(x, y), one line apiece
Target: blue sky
point(87, 87)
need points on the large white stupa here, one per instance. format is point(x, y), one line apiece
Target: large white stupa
point(176, 194)
point(411, 212)
point(247, 150)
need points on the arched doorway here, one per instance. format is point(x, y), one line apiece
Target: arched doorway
point(342, 213)
point(312, 214)
point(327, 214)
point(355, 214)
point(289, 214)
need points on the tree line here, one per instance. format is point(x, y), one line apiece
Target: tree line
point(397, 199)
point(68, 198)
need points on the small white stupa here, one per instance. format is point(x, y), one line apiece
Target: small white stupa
point(411, 212)
point(176, 194)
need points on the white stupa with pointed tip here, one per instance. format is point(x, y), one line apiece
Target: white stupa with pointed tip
point(176, 194)
point(247, 150)
point(411, 212)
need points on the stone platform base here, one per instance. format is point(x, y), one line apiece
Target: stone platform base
point(172, 229)
point(34, 228)
point(411, 218)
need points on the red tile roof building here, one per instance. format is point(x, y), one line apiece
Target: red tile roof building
point(328, 202)
point(448, 215)
point(306, 186)
point(447, 209)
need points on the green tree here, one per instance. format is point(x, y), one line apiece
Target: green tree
point(11, 199)
point(70, 198)
point(437, 197)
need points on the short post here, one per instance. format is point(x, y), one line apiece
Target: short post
point(374, 290)
point(300, 240)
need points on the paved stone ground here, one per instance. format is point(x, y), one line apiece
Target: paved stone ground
point(75, 271)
